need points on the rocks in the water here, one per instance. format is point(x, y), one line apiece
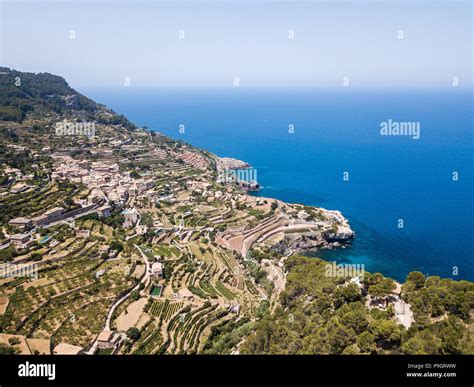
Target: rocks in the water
point(301, 242)
point(342, 234)
point(311, 241)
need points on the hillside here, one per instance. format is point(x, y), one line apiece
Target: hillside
point(320, 315)
point(125, 238)
point(45, 96)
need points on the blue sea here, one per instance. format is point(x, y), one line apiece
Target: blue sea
point(337, 131)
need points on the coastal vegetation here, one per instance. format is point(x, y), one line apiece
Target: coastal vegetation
point(156, 256)
point(322, 315)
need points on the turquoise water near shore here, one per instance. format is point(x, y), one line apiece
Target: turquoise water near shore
point(337, 131)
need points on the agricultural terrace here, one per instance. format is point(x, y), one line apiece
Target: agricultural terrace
point(69, 300)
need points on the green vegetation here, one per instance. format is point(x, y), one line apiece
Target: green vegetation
point(323, 315)
point(35, 201)
point(434, 297)
point(164, 309)
point(6, 350)
point(75, 288)
point(224, 291)
point(226, 335)
point(379, 286)
point(29, 92)
point(133, 333)
point(259, 275)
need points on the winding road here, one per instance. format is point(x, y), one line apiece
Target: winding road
point(145, 280)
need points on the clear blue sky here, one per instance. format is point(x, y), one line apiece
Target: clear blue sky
point(249, 40)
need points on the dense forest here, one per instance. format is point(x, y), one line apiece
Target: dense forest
point(325, 315)
point(25, 92)
point(29, 94)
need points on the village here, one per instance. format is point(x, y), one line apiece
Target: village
point(183, 237)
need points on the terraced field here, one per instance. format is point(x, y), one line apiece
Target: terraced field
point(186, 332)
point(35, 201)
point(166, 251)
point(165, 309)
point(225, 291)
point(150, 342)
point(66, 301)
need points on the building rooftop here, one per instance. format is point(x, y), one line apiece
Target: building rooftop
point(39, 217)
point(67, 349)
point(20, 219)
point(105, 336)
point(156, 267)
point(19, 236)
point(54, 210)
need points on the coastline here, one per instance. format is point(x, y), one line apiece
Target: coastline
point(293, 171)
point(337, 235)
point(207, 246)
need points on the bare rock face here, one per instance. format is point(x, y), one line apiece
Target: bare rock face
point(231, 163)
point(312, 241)
point(71, 101)
point(302, 242)
point(343, 234)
